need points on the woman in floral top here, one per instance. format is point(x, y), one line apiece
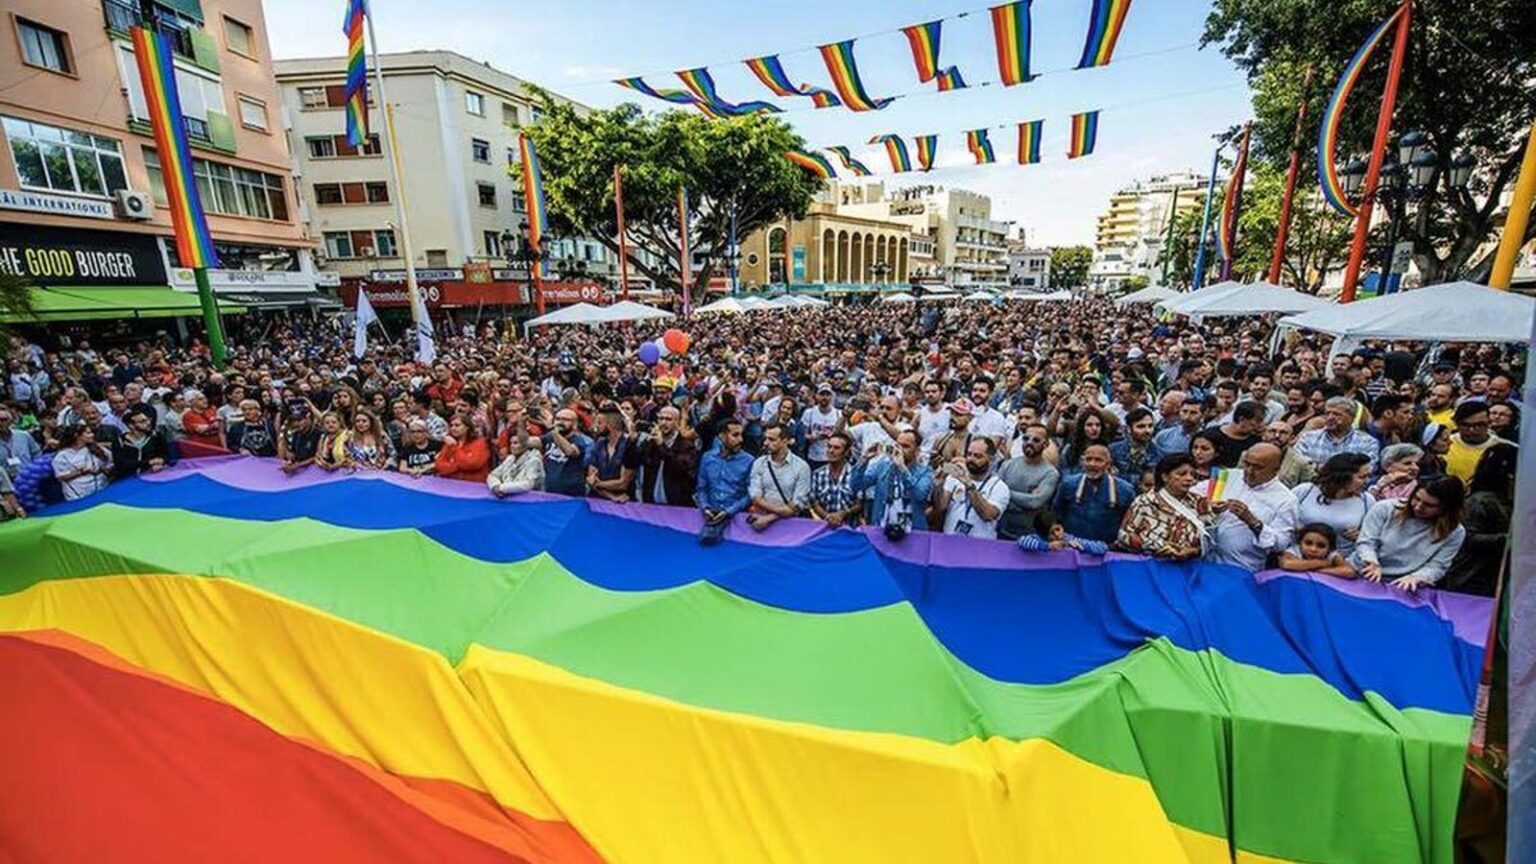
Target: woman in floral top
point(1168, 522)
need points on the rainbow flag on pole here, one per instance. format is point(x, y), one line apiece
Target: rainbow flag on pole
point(896, 151)
point(845, 156)
point(845, 77)
point(1085, 134)
point(157, 73)
point(1010, 34)
point(980, 146)
point(533, 199)
point(1029, 141)
point(1333, 116)
point(1104, 24)
point(1231, 206)
point(356, 93)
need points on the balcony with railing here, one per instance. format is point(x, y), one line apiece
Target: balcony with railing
point(122, 16)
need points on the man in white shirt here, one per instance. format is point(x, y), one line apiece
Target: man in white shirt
point(819, 422)
point(932, 417)
point(972, 498)
point(1257, 512)
point(881, 429)
point(986, 420)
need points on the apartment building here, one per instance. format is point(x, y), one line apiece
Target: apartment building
point(82, 202)
point(1134, 229)
point(970, 248)
point(1029, 267)
point(456, 123)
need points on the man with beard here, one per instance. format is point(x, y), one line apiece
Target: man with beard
point(1090, 503)
point(1031, 482)
point(566, 451)
point(1175, 439)
point(669, 461)
point(724, 483)
point(972, 498)
point(1136, 453)
point(932, 417)
point(142, 449)
point(300, 439)
point(612, 460)
point(780, 483)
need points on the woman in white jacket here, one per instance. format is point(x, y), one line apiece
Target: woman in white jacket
point(522, 470)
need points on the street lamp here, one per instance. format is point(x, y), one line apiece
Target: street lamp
point(881, 270)
point(1461, 169)
point(517, 248)
point(1353, 176)
point(1411, 178)
point(1411, 145)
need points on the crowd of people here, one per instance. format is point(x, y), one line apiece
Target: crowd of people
point(1077, 425)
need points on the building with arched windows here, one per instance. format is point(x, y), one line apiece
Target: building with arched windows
point(828, 247)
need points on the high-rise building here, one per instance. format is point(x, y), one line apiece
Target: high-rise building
point(1134, 229)
point(456, 124)
point(970, 247)
point(83, 213)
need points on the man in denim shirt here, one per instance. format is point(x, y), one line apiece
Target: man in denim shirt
point(1090, 503)
point(900, 483)
point(724, 476)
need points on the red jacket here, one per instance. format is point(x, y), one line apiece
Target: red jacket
point(468, 460)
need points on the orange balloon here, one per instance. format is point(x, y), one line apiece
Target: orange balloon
point(676, 341)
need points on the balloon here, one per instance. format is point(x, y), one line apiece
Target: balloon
point(676, 341)
point(649, 354)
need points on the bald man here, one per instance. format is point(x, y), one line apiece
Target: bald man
point(1257, 513)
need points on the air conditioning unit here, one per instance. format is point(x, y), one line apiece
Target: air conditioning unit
point(132, 204)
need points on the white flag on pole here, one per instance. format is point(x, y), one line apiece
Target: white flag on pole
point(426, 349)
point(365, 318)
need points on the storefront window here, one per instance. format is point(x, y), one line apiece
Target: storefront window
point(240, 256)
point(226, 189)
point(63, 160)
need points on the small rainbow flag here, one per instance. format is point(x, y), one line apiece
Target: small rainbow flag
point(157, 73)
point(813, 162)
point(980, 146)
point(356, 92)
point(1010, 32)
point(1029, 141)
point(1231, 205)
point(950, 79)
point(1333, 115)
point(1104, 24)
point(845, 77)
point(1085, 134)
point(771, 72)
point(924, 39)
point(896, 149)
point(533, 199)
point(845, 156)
point(927, 148)
point(1220, 478)
point(702, 85)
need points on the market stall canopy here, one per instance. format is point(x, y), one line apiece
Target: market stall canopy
point(1450, 312)
point(1061, 296)
point(726, 305)
point(1259, 298)
point(785, 301)
point(100, 303)
point(898, 297)
point(1178, 303)
point(754, 304)
point(984, 296)
point(1149, 294)
point(629, 310)
point(578, 313)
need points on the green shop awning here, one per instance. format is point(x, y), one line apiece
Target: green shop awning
point(97, 303)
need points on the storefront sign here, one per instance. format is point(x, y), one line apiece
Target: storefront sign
point(477, 272)
point(573, 292)
point(71, 256)
point(246, 280)
point(437, 294)
point(422, 275)
point(60, 205)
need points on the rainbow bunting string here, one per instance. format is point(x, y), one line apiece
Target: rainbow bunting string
point(845, 77)
point(771, 73)
point(1085, 134)
point(845, 156)
point(1333, 116)
point(927, 148)
point(950, 79)
point(356, 93)
point(980, 145)
point(1104, 23)
point(1029, 141)
point(533, 199)
point(157, 74)
point(1010, 33)
point(924, 39)
point(813, 162)
point(702, 85)
point(370, 668)
point(896, 150)
point(677, 97)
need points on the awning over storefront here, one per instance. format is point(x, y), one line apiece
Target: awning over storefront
point(100, 303)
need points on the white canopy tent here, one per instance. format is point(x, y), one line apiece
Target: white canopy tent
point(784, 301)
point(629, 310)
point(811, 301)
point(754, 304)
point(1210, 292)
point(1258, 298)
point(983, 296)
point(1450, 312)
point(940, 292)
point(898, 297)
point(725, 305)
point(1061, 296)
point(1149, 294)
point(579, 313)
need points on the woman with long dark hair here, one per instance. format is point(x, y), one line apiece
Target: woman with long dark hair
point(1093, 426)
point(1336, 497)
point(1413, 541)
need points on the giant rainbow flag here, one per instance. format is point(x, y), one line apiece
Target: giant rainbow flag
point(221, 663)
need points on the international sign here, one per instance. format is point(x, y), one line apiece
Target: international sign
point(59, 205)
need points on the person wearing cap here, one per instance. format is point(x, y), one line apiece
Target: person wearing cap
point(956, 442)
point(818, 422)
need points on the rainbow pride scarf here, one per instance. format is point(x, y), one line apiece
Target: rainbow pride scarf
point(356, 93)
point(980, 145)
point(813, 162)
point(1333, 116)
point(896, 150)
point(1085, 134)
point(1029, 141)
point(845, 156)
point(845, 77)
point(1010, 35)
point(1104, 23)
point(157, 74)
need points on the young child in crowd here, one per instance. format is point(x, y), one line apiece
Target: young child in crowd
point(1056, 538)
point(1315, 552)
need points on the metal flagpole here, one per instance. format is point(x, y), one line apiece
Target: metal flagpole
point(392, 155)
point(618, 204)
point(1205, 223)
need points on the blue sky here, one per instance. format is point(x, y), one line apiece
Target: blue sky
point(1162, 99)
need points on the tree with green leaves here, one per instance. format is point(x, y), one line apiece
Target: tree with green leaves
point(15, 300)
point(732, 168)
point(1466, 84)
point(1069, 266)
point(1318, 241)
